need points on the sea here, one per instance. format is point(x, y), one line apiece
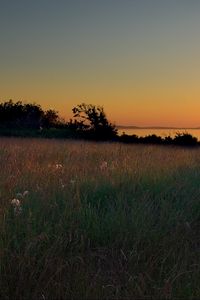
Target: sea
point(163, 132)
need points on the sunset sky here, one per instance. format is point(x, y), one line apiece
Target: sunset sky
point(140, 59)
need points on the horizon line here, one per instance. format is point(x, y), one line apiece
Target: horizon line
point(154, 127)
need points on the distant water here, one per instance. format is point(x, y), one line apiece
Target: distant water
point(159, 132)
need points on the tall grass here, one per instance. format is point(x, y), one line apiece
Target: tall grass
point(100, 221)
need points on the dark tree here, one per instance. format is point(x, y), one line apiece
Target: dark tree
point(17, 115)
point(92, 120)
point(33, 116)
point(50, 118)
point(30, 116)
point(11, 113)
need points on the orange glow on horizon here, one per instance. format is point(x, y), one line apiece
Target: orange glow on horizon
point(127, 112)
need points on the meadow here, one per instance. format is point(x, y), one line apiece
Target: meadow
point(98, 220)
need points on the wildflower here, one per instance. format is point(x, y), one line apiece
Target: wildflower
point(103, 165)
point(17, 206)
point(59, 166)
point(15, 202)
point(25, 193)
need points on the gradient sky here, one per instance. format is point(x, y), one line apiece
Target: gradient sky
point(140, 59)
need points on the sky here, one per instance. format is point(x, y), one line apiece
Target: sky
point(139, 59)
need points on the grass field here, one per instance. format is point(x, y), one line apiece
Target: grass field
point(98, 220)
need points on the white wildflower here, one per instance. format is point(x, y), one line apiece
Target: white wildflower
point(59, 166)
point(17, 206)
point(15, 202)
point(25, 193)
point(103, 165)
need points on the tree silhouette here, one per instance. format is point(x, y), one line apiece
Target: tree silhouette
point(33, 116)
point(92, 120)
point(17, 115)
point(30, 115)
point(50, 118)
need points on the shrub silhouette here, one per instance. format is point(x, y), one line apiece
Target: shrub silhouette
point(168, 140)
point(151, 139)
point(92, 121)
point(125, 138)
point(185, 139)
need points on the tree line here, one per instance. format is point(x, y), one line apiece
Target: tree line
point(89, 122)
point(32, 116)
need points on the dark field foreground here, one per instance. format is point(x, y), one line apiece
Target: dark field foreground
point(85, 220)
